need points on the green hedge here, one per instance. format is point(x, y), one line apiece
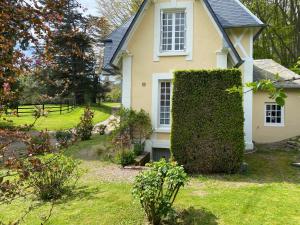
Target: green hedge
point(207, 122)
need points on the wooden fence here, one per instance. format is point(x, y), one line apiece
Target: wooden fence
point(46, 108)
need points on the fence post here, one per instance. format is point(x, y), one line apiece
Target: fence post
point(17, 110)
point(60, 108)
point(43, 109)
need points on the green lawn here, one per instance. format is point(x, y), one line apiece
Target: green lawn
point(55, 121)
point(268, 194)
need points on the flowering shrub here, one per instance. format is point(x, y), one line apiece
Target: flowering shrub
point(85, 127)
point(157, 189)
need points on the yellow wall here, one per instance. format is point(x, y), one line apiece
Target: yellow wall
point(206, 42)
point(263, 134)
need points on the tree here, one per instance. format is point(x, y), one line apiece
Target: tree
point(74, 63)
point(281, 40)
point(117, 12)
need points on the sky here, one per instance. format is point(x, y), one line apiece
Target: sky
point(91, 6)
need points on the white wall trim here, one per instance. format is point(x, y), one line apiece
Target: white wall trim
point(189, 7)
point(156, 78)
point(222, 61)
point(126, 81)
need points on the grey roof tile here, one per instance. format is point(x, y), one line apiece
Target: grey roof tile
point(268, 69)
point(112, 42)
point(232, 13)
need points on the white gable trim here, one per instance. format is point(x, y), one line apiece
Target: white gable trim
point(189, 7)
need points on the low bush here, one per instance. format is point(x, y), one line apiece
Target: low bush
point(157, 189)
point(125, 157)
point(52, 175)
point(85, 127)
point(40, 144)
point(64, 138)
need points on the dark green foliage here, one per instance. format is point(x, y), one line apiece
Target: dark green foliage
point(157, 189)
point(64, 137)
point(207, 128)
point(125, 157)
point(57, 175)
point(85, 127)
point(138, 148)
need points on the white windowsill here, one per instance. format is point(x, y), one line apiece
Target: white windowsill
point(274, 125)
point(163, 130)
point(173, 53)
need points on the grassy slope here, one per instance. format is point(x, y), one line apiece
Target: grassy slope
point(65, 121)
point(268, 194)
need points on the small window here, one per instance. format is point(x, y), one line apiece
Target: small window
point(173, 31)
point(165, 103)
point(274, 115)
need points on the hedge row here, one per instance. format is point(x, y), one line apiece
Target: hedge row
point(207, 122)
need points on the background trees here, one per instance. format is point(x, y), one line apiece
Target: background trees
point(281, 39)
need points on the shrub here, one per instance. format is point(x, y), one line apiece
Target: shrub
point(125, 157)
point(85, 127)
point(157, 189)
point(64, 138)
point(207, 122)
point(138, 148)
point(136, 125)
point(101, 129)
point(52, 175)
point(40, 144)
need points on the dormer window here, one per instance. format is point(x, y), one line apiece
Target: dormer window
point(173, 31)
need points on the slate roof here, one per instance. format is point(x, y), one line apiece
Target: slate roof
point(112, 42)
point(268, 69)
point(230, 14)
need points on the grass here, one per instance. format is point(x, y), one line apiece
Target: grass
point(268, 194)
point(55, 121)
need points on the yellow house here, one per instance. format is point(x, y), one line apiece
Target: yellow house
point(166, 35)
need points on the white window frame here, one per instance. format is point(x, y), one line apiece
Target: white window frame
point(173, 13)
point(159, 104)
point(173, 5)
point(282, 115)
point(157, 78)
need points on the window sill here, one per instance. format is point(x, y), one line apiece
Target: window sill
point(274, 125)
point(162, 54)
point(163, 130)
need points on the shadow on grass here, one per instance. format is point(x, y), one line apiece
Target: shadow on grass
point(192, 216)
point(265, 166)
point(81, 193)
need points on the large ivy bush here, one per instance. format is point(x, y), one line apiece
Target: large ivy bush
point(207, 122)
point(157, 189)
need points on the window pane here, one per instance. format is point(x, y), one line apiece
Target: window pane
point(273, 113)
point(173, 26)
point(165, 103)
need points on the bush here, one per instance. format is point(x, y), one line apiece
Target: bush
point(125, 157)
point(64, 138)
point(138, 148)
point(133, 126)
point(40, 144)
point(85, 127)
point(207, 122)
point(157, 189)
point(52, 175)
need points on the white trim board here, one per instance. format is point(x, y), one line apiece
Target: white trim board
point(189, 7)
